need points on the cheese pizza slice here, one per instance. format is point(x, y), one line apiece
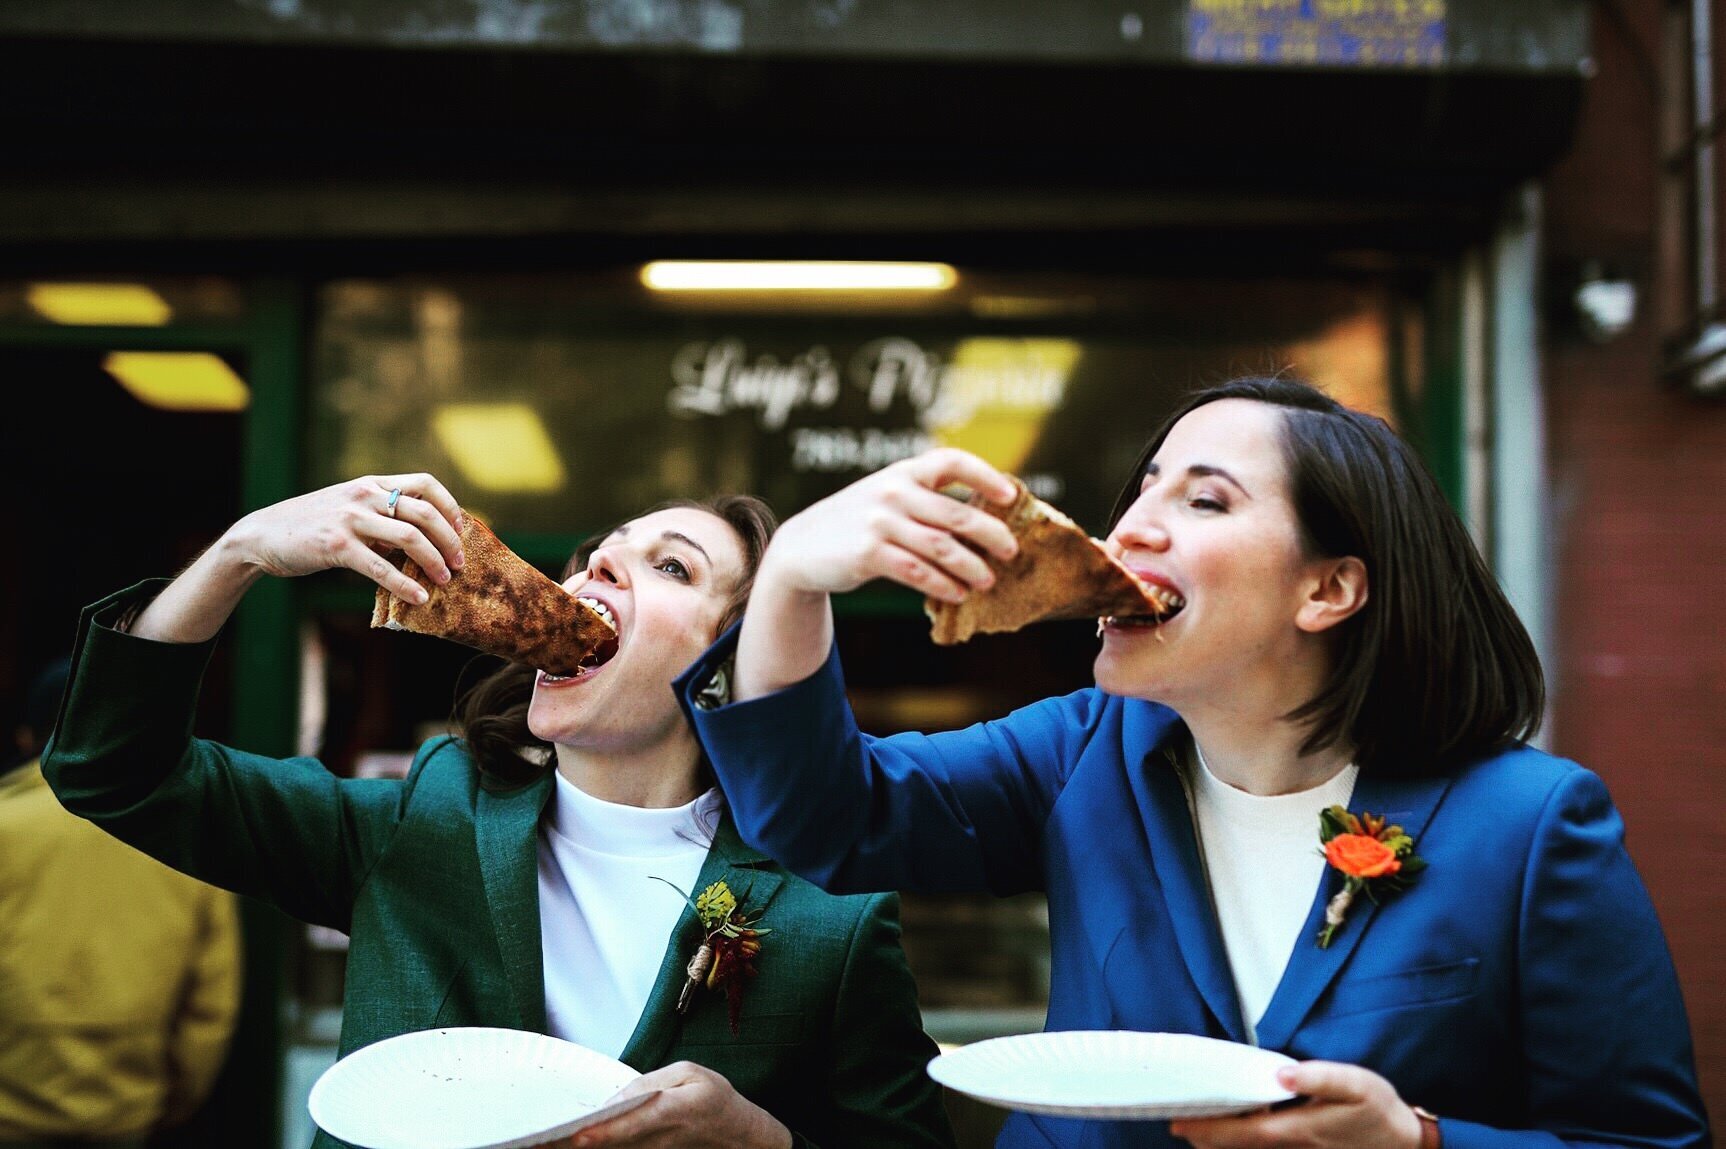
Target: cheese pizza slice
point(501, 604)
point(1060, 572)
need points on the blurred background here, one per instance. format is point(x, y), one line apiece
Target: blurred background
point(573, 256)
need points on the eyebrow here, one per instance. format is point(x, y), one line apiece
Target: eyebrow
point(669, 536)
point(1203, 470)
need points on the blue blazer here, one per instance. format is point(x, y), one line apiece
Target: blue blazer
point(1521, 989)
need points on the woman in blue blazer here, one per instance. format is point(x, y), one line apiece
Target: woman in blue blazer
point(1473, 942)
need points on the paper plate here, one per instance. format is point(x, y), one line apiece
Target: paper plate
point(468, 1088)
point(1115, 1074)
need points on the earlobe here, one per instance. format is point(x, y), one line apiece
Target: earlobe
point(1339, 591)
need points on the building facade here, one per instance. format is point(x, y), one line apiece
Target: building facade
point(252, 246)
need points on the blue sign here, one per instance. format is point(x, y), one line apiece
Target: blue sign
point(1318, 33)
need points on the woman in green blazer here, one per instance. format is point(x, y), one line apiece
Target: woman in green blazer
point(522, 876)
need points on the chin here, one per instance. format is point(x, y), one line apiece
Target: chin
point(1117, 676)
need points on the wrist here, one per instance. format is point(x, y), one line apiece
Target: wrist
point(1427, 1130)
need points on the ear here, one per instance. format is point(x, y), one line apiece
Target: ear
point(1337, 591)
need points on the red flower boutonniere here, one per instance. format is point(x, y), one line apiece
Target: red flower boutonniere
point(1371, 857)
point(730, 943)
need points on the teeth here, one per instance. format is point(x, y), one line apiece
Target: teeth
point(600, 609)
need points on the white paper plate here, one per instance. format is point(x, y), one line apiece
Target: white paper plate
point(1115, 1074)
point(468, 1088)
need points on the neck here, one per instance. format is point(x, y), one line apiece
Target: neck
point(655, 779)
point(1264, 758)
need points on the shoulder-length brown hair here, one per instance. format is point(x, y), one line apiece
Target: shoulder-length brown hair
point(1436, 668)
point(492, 715)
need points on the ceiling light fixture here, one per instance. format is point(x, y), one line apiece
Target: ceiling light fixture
point(179, 380)
point(99, 304)
point(796, 275)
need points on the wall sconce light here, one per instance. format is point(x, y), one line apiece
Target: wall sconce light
point(1605, 304)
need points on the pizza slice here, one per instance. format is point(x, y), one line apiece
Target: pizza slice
point(503, 605)
point(1060, 572)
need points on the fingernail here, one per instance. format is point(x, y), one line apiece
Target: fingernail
point(458, 561)
point(420, 595)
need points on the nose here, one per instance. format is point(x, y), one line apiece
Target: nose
point(1140, 529)
point(607, 564)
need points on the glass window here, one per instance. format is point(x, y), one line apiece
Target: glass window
point(557, 405)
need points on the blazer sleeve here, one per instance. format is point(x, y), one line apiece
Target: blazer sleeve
point(880, 1094)
point(958, 811)
point(122, 756)
point(1606, 1039)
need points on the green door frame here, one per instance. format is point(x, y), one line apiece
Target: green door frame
point(270, 341)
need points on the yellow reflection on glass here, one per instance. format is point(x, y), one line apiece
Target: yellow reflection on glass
point(89, 304)
point(501, 447)
point(797, 275)
point(1350, 359)
point(179, 380)
point(996, 394)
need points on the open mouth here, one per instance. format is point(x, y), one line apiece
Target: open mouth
point(603, 653)
point(1169, 604)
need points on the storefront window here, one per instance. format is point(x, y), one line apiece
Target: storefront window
point(555, 406)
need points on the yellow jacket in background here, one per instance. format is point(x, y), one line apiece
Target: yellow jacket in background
point(119, 978)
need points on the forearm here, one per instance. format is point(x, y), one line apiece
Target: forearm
point(785, 637)
point(200, 600)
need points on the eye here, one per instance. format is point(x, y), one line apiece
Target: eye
point(673, 567)
point(1206, 503)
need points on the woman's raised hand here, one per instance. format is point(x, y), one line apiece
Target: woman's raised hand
point(896, 524)
point(892, 524)
point(354, 525)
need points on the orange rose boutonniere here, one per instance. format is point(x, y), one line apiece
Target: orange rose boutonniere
point(1372, 858)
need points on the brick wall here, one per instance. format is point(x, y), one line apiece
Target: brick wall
point(1638, 473)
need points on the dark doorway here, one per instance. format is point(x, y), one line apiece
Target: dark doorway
point(106, 491)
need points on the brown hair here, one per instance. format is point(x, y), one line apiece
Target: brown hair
point(492, 714)
point(1436, 668)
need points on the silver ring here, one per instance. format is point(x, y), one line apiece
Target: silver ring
point(395, 497)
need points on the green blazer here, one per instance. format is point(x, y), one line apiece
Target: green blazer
point(434, 879)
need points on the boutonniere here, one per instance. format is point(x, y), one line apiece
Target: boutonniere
point(730, 943)
point(1372, 858)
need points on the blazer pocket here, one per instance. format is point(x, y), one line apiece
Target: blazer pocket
point(1423, 986)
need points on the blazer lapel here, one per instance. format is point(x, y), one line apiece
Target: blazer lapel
point(1408, 803)
point(1162, 799)
point(507, 834)
point(753, 878)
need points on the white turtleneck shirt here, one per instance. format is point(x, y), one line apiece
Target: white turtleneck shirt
point(604, 920)
point(1263, 861)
